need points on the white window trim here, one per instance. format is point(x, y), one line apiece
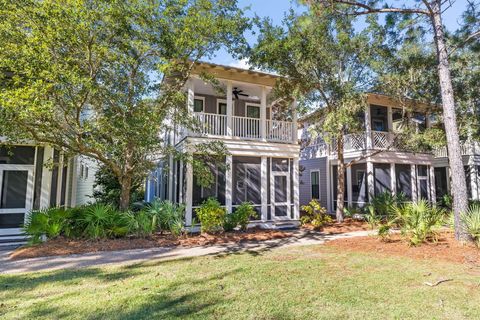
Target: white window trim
point(251, 104)
point(319, 186)
point(203, 106)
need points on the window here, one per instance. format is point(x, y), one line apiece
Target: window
point(253, 111)
point(198, 105)
point(222, 108)
point(378, 125)
point(315, 184)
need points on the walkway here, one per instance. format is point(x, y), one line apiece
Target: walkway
point(126, 257)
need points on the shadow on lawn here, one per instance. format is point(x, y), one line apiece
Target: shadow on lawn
point(189, 296)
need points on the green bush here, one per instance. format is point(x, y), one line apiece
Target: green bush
point(211, 216)
point(471, 219)
point(380, 212)
point(315, 215)
point(103, 221)
point(170, 216)
point(50, 223)
point(419, 222)
point(240, 217)
point(142, 223)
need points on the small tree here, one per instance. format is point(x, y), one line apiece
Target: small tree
point(88, 77)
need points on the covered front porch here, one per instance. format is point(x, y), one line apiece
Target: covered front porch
point(386, 173)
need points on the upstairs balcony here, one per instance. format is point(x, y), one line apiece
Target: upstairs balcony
point(235, 109)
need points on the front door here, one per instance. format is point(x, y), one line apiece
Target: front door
point(253, 120)
point(16, 196)
point(280, 190)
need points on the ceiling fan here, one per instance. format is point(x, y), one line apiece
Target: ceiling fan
point(237, 93)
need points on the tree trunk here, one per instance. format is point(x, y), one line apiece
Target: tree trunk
point(458, 186)
point(126, 184)
point(340, 180)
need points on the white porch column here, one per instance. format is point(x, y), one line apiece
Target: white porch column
point(413, 175)
point(296, 191)
point(60, 178)
point(170, 178)
point(264, 186)
point(368, 128)
point(46, 179)
point(349, 187)
point(73, 191)
point(370, 180)
point(390, 119)
point(190, 101)
point(229, 183)
point(433, 193)
point(180, 189)
point(473, 178)
point(263, 114)
point(295, 125)
point(393, 179)
point(229, 108)
point(189, 195)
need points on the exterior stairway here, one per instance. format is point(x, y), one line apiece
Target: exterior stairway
point(13, 240)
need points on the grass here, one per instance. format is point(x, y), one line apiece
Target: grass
point(295, 283)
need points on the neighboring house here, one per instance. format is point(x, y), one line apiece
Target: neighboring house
point(384, 165)
point(471, 162)
point(263, 160)
point(29, 181)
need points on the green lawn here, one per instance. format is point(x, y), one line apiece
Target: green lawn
point(295, 283)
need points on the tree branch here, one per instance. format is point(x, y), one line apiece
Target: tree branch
point(369, 9)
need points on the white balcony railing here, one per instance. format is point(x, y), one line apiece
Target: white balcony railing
point(279, 130)
point(246, 127)
point(467, 148)
point(212, 124)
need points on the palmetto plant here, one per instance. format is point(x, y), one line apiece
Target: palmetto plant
point(102, 220)
point(471, 219)
point(49, 222)
point(419, 221)
point(169, 216)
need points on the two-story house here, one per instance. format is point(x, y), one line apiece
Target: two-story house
point(383, 164)
point(261, 139)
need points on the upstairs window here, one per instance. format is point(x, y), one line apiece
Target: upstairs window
point(198, 105)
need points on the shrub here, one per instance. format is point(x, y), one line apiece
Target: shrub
point(49, 222)
point(419, 222)
point(240, 217)
point(315, 215)
point(169, 216)
point(102, 220)
point(211, 216)
point(142, 223)
point(471, 219)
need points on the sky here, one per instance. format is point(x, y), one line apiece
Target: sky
point(275, 9)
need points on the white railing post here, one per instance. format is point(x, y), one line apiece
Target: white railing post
point(229, 108)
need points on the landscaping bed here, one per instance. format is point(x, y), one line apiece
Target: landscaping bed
point(63, 246)
point(445, 249)
point(348, 225)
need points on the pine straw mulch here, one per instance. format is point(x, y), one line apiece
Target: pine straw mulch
point(445, 249)
point(348, 225)
point(62, 246)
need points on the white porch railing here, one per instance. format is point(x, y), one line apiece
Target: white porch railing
point(246, 127)
point(279, 130)
point(383, 140)
point(212, 124)
point(467, 148)
point(243, 127)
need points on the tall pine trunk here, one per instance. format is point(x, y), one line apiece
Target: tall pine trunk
point(458, 185)
point(126, 186)
point(340, 179)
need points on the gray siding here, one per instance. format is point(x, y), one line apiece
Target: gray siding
point(306, 166)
